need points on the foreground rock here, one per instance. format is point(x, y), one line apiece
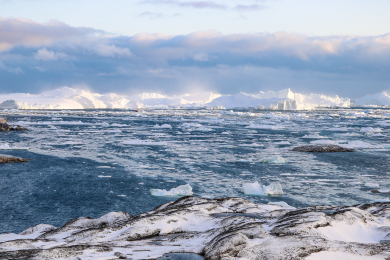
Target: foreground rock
point(4, 127)
point(322, 149)
point(6, 159)
point(221, 228)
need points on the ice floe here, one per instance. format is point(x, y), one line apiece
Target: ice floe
point(257, 189)
point(182, 190)
point(274, 159)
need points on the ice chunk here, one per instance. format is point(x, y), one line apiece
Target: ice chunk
point(283, 143)
point(7, 147)
point(163, 126)
point(274, 159)
point(182, 190)
point(370, 129)
point(322, 142)
point(262, 190)
point(314, 136)
point(359, 145)
point(371, 185)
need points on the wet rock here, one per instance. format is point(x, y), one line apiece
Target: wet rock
point(6, 159)
point(322, 149)
point(4, 127)
point(375, 191)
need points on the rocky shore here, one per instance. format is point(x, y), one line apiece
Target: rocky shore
point(6, 159)
point(322, 149)
point(4, 127)
point(213, 229)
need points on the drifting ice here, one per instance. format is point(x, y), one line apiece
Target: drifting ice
point(182, 190)
point(274, 159)
point(261, 190)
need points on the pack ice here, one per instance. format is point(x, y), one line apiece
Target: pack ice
point(220, 228)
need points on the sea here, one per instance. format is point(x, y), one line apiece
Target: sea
point(86, 163)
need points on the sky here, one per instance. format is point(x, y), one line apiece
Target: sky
point(183, 46)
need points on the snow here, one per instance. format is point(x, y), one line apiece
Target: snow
point(274, 159)
point(327, 255)
point(182, 190)
point(262, 190)
point(70, 98)
point(357, 232)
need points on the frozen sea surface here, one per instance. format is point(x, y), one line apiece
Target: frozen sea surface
point(88, 163)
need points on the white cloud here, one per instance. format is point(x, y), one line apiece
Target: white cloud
point(44, 54)
point(201, 57)
point(112, 51)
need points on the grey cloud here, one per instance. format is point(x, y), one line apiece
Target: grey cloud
point(345, 65)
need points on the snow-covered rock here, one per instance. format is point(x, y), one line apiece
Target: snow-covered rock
point(221, 228)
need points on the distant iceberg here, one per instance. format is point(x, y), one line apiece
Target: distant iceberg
point(70, 98)
point(382, 99)
point(182, 190)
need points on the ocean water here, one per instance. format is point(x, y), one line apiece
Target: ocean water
point(89, 163)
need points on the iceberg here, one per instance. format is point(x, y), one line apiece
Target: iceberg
point(70, 98)
point(274, 159)
point(382, 99)
point(262, 190)
point(182, 190)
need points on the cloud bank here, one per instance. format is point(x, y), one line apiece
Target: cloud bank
point(36, 57)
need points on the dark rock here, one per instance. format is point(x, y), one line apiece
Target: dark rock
point(322, 149)
point(4, 127)
point(375, 191)
point(5, 159)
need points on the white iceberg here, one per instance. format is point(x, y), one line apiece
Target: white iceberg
point(70, 98)
point(382, 99)
point(182, 190)
point(262, 190)
point(274, 159)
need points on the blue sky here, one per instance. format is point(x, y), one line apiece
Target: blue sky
point(176, 46)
